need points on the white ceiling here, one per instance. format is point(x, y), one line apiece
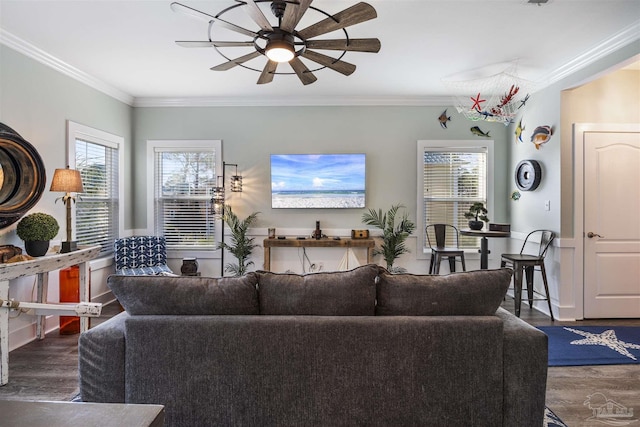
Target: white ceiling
point(127, 46)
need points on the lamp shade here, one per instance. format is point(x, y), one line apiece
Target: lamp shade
point(67, 181)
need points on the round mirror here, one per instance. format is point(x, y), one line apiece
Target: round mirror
point(22, 176)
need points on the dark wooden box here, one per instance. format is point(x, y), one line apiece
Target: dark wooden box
point(499, 227)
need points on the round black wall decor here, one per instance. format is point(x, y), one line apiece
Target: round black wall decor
point(528, 175)
point(22, 176)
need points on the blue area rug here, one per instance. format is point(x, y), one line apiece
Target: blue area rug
point(551, 419)
point(593, 345)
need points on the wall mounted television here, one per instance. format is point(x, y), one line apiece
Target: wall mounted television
point(300, 181)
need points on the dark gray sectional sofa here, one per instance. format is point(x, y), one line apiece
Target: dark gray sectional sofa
point(356, 348)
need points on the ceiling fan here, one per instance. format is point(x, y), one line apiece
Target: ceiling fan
point(282, 42)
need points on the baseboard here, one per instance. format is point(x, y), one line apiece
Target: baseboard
point(105, 298)
point(26, 334)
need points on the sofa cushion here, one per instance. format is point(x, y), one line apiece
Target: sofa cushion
point(473, 293)
point(186, 295)
point(342, 293)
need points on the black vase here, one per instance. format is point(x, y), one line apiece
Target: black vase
point(476, 225)
point(189, 267)
point(36, 247)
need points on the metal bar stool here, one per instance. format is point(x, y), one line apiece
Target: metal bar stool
point(440, 251)
point(527, 263)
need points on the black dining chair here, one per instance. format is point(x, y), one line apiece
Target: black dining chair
point(528, 262)
point(440, 250)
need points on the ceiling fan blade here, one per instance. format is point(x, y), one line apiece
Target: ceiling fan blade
point(293, 14)
point(356, 45)
point(181, 8)
point(232, 63)
point(256, 14)
point(268, 72)
point(340, 66)
point(355, 14)
point(305, 76)
point(212, 44)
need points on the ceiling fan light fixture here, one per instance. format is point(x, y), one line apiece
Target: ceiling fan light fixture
point(279, 51)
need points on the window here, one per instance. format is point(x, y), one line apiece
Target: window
point(452, 175)
point(98, 214)
point(183, 174)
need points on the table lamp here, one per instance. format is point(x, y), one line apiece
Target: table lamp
point(67, 181)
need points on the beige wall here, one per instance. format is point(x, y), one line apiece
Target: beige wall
point(613, 98)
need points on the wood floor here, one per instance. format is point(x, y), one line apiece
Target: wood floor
point(47, 370)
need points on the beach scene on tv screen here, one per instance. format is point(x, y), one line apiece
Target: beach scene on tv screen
point(317, 181)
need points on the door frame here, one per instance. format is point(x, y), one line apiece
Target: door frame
point(579, 131)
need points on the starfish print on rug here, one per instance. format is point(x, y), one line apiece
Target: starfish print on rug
point(476, 102)
point(607, 339)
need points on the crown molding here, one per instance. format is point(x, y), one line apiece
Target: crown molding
point(626, 36)
point(619, 40)
point(27, 49)
point(317, 101)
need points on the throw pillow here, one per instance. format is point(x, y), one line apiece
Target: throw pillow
point(341, 293)
point(473, 293)
point(186, 295)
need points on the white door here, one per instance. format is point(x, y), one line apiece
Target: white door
point(612, 223)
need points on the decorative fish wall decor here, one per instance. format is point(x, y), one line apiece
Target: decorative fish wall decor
point(443, 119)
point(519, 130)
point(478, 132)
point(541, 135)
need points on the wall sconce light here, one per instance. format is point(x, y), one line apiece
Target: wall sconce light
point(236, 180)
point(217, 197)
point(218, 200)
point(217, 192)
point(67, 181)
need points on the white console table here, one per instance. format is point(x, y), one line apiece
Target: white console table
point(41, 267)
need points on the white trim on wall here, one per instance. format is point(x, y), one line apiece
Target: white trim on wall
point(619, 40)
point(578, 135)
point(182, 145)
point(624, 37)
point(449, 144)
point(33, 52)
point(80, 131)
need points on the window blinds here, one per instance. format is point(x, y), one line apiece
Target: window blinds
point(182, 180)
point(454, 179)
point(97, 208)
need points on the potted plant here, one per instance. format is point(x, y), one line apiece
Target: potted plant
point(477, 214)
point(241, 246)
point(393, 235)
point(37, 229)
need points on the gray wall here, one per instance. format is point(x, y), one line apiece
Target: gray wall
point(387, 135)
point(36, 101)
point(599, 93)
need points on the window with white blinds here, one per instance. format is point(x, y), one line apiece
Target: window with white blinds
point(183, 178)
point(451, 178)
point(97, 214)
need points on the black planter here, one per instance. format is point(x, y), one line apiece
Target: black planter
point(476, 225)
point(37, 247)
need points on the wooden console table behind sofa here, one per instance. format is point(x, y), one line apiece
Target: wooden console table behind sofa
point(40, 267)
point(326, 242)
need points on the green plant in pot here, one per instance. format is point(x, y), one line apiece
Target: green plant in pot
point(241, 246)
point(37, 229)
point(393, 235)
point(477, 216)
